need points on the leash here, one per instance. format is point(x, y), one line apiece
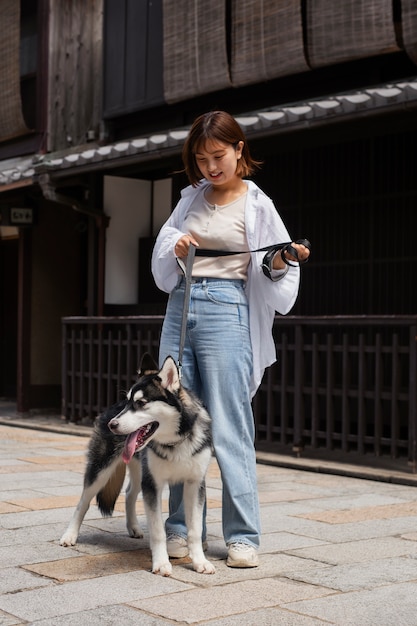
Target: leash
point(271, 251)
point(187, 269)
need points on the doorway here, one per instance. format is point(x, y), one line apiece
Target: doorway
point(8, 317)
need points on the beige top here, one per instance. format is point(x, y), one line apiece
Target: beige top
point(219, 228)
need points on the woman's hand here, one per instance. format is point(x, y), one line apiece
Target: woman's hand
point(183, 244)
point(303, 254)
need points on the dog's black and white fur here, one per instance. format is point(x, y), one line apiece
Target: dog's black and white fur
point(161, 432)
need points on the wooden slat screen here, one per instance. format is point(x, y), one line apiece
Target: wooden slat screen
point(74, 71)
point(12, 123)
point(195, 55)
point(409, 27)
point(343, 385)
point(267, 40)
point(348, 30)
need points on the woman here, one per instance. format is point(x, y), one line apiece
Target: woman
point(229, 340)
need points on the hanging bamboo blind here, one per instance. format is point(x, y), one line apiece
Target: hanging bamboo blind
point(11, 118)
point(348, 30)
point(195, 55)
point(267, 40)
point(409, 27)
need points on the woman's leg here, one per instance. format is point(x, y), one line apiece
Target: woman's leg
point(169, 346)
point(222, 347)
point(217, 366)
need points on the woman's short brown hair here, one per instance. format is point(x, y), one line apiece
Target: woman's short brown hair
point(215, 126)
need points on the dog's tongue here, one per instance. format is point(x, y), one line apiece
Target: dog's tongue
point(130, 446)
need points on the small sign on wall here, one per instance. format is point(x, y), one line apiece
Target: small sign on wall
point(21, 217)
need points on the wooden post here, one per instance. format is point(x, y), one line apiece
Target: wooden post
point(23, 320)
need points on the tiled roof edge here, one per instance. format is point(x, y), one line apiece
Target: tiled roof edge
point(261, 122)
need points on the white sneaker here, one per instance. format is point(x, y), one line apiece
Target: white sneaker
point(242, 555)
point(178, 548)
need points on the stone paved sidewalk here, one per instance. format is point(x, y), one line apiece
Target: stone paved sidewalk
point(335, 550)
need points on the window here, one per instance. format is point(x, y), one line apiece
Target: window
point(132, 56)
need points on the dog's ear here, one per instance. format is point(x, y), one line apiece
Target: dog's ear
point(169, 375)
point(147, 365)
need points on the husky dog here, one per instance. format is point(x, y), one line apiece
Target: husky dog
point(161, 432)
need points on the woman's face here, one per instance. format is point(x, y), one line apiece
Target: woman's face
point(217, 161)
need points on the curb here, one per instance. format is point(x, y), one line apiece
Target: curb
point(263, 458)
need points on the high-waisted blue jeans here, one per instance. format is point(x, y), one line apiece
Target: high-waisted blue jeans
point(217, 366)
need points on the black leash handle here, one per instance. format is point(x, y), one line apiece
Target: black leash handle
point(284, 247)
point(294, 252)
point(271, 251)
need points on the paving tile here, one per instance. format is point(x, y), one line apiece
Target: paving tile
point(14, 579)
point(386, 606)
point(289, 508)
point(83, 567)
point(295, 487)
point(36, 518)
point(326, 481)
point(28, 436)
point(197, 605)
point(42, 533)
point(353, 501)
point(410, 536)
point(8, 507)
point(403, 492)
point(13, 556)
point(282, 496)
point(25, 468)
point(8, 461)
point(360, 576)
point(57, 460)
point(271, 565)
point(359, 551)
point(334, 532)
point(104, 530)
point(39, 533)
point(75, 443)
point(36, 476)
point(66, 598)
point(106, 616)
point(278, 542)
point(73, 490)
point(50, 447)
point(213, 470)
point(94, 539)
point(267, 617)
point(14, 493)
point(387, 511)
point(9, 620)
point(47, 502)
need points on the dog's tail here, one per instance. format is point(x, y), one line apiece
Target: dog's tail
point(106, 498)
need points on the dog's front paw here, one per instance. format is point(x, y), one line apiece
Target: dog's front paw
point(68, 539)
point(135, 531)
point(204, 567)
point(164, 569)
